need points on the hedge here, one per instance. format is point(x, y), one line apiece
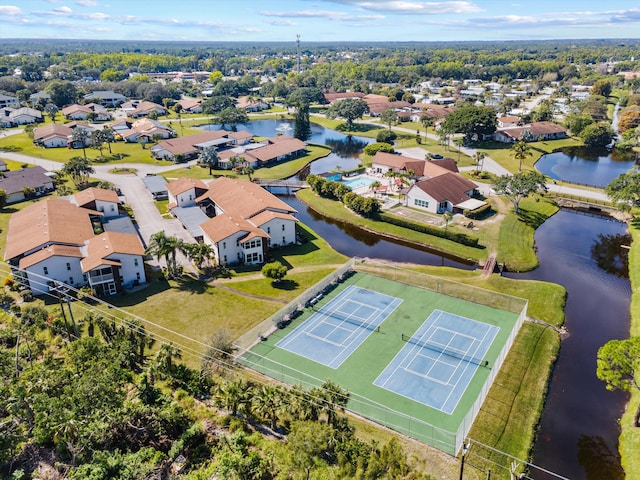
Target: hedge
point(478, 212)
point(429, 230)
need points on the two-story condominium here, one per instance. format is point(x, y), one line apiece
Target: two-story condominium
point(53, 241)
point(108, 98)
point(247, 221)
point(7, 101)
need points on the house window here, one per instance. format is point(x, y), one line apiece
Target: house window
point(84, 277)
point(113, 208)
point(46, 270)
point(284, 240)
point(268, 229)
point(224, 244)
point(283, 227)
point(225, 259)
point(442, 206)
point(135, 262)
point(237, 242)
point(70, 280)
point(68, 266)
point(138, 276)
point(420, 203)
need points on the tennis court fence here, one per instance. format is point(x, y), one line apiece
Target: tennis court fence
point(294, 308)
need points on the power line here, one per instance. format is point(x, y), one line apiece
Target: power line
point(45, 282)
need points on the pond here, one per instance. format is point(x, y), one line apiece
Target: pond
point(345, 149)
point(586, 166)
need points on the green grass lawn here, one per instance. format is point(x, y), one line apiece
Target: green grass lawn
point(282, 170)
point(630, 435)
point(515, 240)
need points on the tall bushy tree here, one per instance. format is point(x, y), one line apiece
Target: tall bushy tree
point(473, 121)
point(350, 109)
point(302, 129)
point(519, 186)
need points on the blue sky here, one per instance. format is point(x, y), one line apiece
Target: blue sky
point(319, 20)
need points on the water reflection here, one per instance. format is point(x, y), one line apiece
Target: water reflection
point(346, 147)
point(609, 254)
point(588, 166)
point(598, 460)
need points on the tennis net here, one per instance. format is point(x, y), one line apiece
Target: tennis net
point(444, 351)
point(349, 319)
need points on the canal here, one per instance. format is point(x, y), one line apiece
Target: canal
point(578, 435)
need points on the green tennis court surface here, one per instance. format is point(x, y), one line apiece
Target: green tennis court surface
point(444, 361)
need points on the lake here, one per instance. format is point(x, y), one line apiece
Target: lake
point(586, 166)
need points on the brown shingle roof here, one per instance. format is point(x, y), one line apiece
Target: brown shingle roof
point(185, 145)
point(108, 243)
point(184, 184)
point(278, 146)
point(53, 220)
point(450, 186)
point(53, 250)
point(91, 194)
point(421, 168)
point(223, 226)
point(242, 199)
point(269, 215)
point(51, 130)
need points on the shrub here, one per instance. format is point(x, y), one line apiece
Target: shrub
point(481, 212)
point(429, 230)
point(374, 148)
point(386, 136)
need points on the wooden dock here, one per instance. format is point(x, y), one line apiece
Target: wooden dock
point(489, 265)
point(282, 187)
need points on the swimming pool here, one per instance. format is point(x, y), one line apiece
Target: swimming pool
point(358, 182)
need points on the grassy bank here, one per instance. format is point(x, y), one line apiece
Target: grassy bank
point(630, 435)
point(281, 170)
point(336, 210)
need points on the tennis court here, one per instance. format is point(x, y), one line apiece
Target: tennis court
point(438, 362)
point(335, 330)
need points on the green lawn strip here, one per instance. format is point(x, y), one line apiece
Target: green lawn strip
point(502, 153)
point(282, 170)
point(512, 409)
point(630, 435)
point(515, 240)
point(314, 250)
point(294, 284)
point(194, 309)
point(336, 210)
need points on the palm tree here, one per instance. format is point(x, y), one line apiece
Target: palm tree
point(426, 123)
point(332, 397)
point(199, 253)
point(373, 186)
point(160, 245)
point(78, 169)
point(521, 150)
point(178, 109)
point(108, 136)
point(233, 396)
point(459, 142)
point(81, 135)
point(446, 216)
point(268, 402)
point(165, 356)
point(248, 171)
point(479, 158)
point(209, 156)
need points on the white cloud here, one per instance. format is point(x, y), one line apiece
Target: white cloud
point(413, 7)
point(87, 3)
point(63, 10)
point(326, 14)
point(10, 10)
point(282, 23)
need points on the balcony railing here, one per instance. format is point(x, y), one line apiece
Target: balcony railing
point(98, 279)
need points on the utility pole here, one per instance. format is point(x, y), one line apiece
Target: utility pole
point(298, 49)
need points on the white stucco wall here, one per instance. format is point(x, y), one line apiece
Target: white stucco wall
point(56, 269)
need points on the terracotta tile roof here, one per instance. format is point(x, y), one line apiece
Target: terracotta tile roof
point(53, 220)
point(52, 250)
point(89, 195)
point(435, 111)
point(110, 243)
point(536, 129)
point(223, 226)
point(189, 103)
point(240, 135)
point(242, 199)
point(184, 184)
point(450, 186)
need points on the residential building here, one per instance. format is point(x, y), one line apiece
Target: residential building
point(185, 148)
point(15, 182)
point(53, 241)
point(40, 97)
point(8, 101)
point(52, 136)
point(191, 105)
point(184, 191)
point(246, 221)
point(108, 98)
point(449, 192)
point(532, 132)
point(137, 108)
point(90, 111)
point(98, 199)
point(13, 117)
